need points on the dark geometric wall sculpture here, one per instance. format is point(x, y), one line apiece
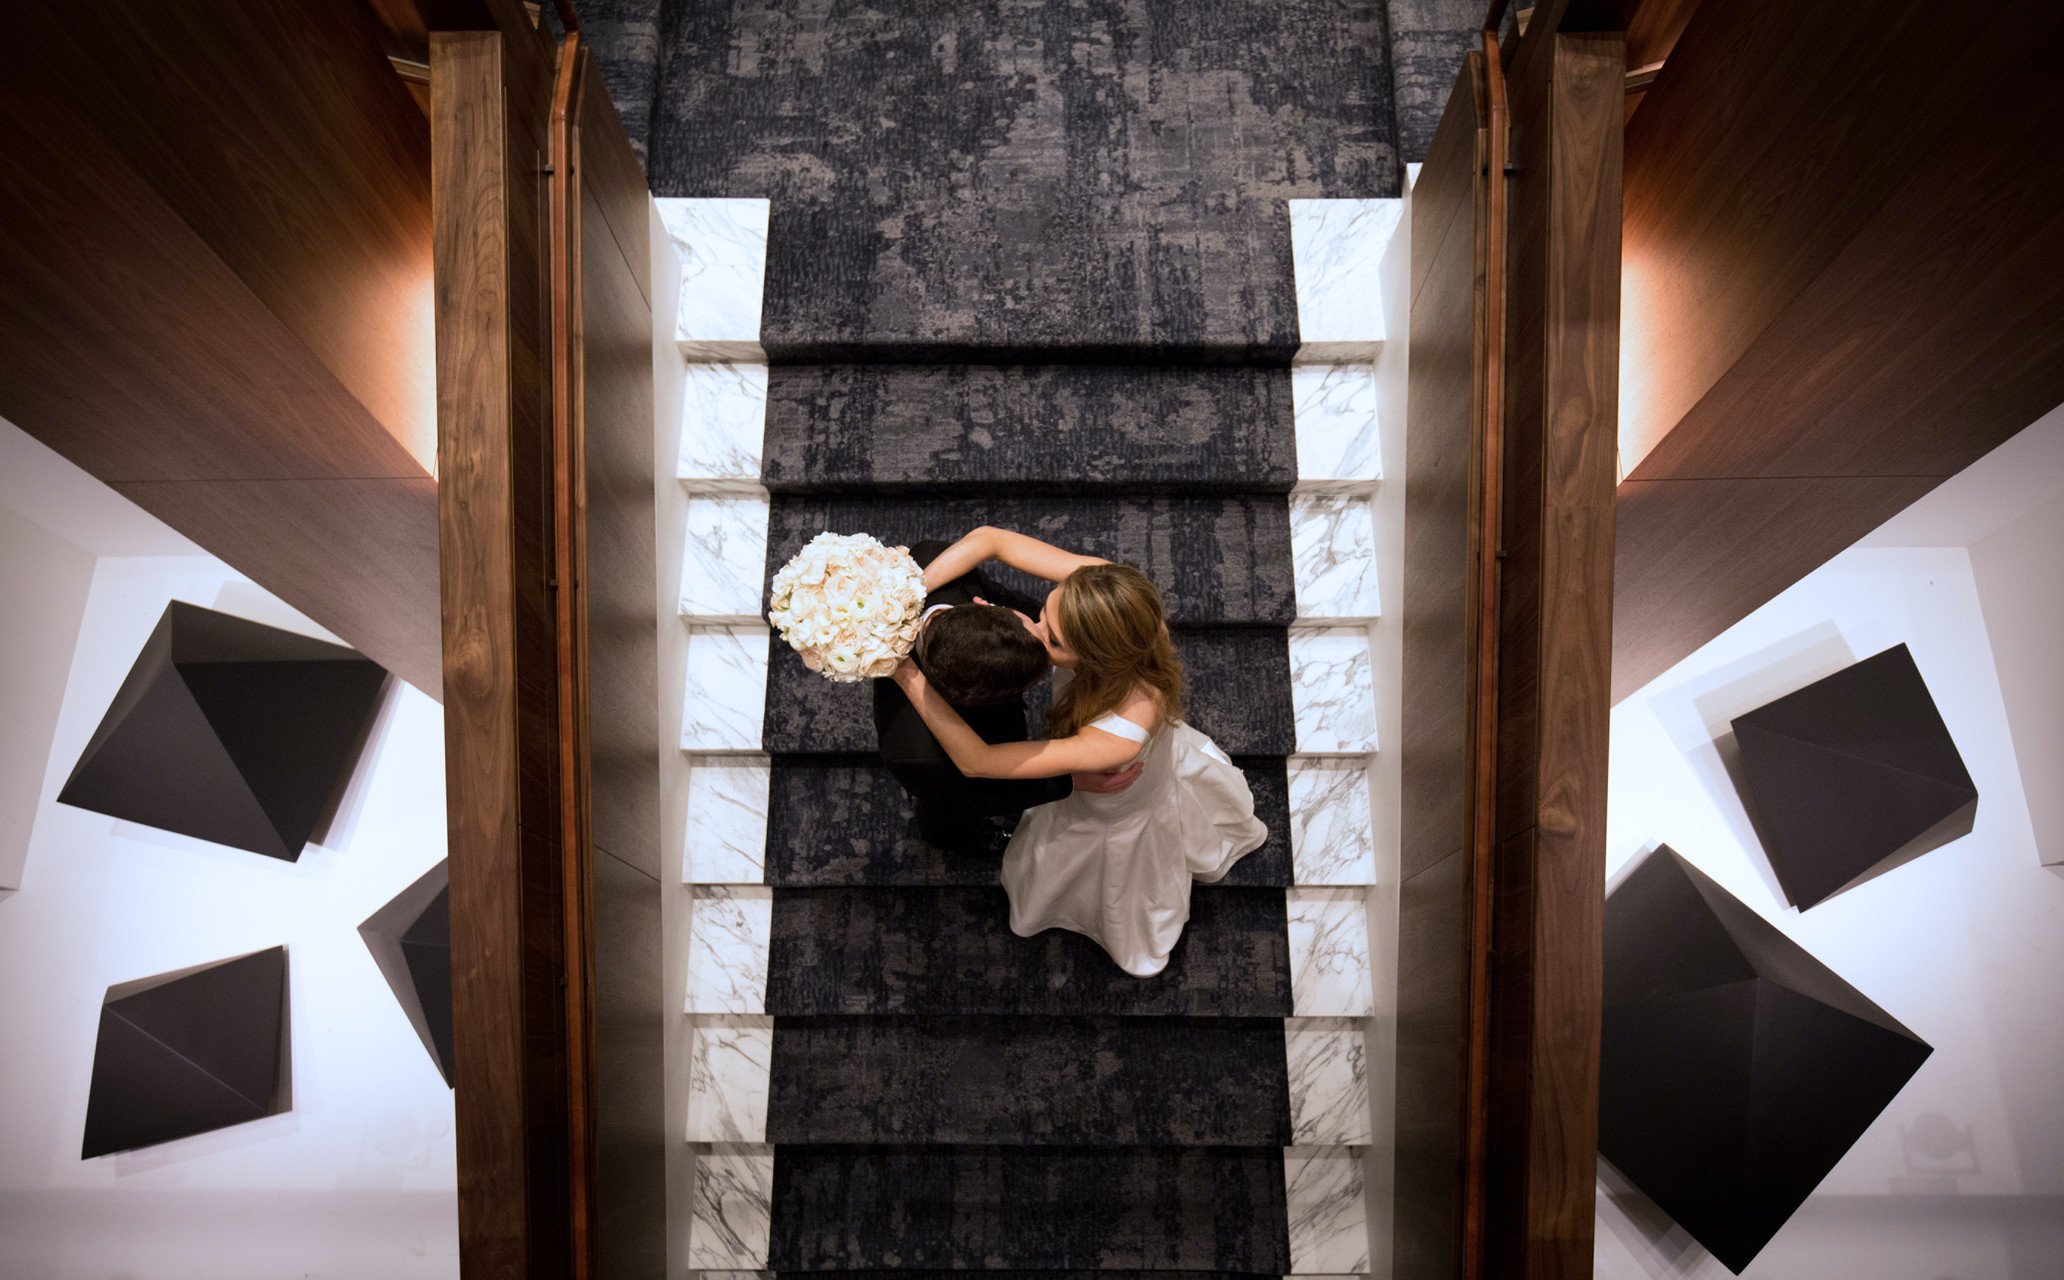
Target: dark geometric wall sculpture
point(230, 731)
point(410, 939)
point(188, 1052)
point(1736, 1069)
point(1851, 776)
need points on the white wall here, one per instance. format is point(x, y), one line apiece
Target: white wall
point(44, 579)
point(1964, 945)
point(2020, 576)
point(359, 1178)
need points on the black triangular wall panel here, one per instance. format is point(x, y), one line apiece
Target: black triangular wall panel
point(410, 939)
point(187, 1053)
point(1730, 1086)
point(1851, 776)
point(229, 731)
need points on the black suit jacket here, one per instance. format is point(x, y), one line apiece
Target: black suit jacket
point(915, 757)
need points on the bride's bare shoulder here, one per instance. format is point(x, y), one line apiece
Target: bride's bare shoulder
point(1143, 706)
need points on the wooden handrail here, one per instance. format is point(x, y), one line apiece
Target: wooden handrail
point(569, 567)
point(1486, 537)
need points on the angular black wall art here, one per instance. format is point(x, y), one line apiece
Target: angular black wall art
point(410, 939)
point(1736, 1069)
point(189, 1052)
point(1852, 776)
point(230, 731)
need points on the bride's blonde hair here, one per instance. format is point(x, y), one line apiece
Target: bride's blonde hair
point(1110, 615)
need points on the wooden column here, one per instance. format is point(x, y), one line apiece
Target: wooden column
point(1554, 658)
point(501, 732)
point(1507, 643)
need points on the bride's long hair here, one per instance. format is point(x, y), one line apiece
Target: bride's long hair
point(1111, 616)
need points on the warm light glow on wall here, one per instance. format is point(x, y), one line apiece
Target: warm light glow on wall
point(1640, 375)
point(421, 348)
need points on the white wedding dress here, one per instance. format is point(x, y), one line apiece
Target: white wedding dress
point(1118, 867)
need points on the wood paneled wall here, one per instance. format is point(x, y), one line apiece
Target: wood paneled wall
point(623, 667)
point(216, 281)
point(1842, 288)
point(1443, 405)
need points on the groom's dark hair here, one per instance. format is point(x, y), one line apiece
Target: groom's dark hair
point(980, 654)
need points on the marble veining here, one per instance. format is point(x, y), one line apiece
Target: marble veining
point(1332, 835)
point(727, 689)
point(1336, 247)
point(1329, 954)
point(1334, 409)
point(1332, 690)
point(1333, 555)
point(723, 245)
point(734, 1207)
point(1329, 1224)
point(723, 424)
point(727, 820)
point(728, 1079)
point(726, 557)
point(729, 929)
point(1329, 1081)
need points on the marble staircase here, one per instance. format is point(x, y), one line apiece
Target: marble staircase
point(1109, 322)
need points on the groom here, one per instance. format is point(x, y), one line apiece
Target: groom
point(982, 660)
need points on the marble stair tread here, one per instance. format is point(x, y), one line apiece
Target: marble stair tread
point(884, 428)
point(875, 950)
point(991, 1209)
point(1032, 1081)
point(1219, 560)
point(1238, 692)
point(843, 820)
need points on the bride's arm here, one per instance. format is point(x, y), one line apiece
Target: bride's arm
point(1089, 751)
point(1040, 559)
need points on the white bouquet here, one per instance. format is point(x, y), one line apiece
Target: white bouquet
point(849, 605)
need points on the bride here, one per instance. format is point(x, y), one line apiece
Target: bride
point(1115, 866)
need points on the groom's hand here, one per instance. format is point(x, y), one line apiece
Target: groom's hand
point(1115, 780)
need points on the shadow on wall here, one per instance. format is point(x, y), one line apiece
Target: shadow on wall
point(1698, 716)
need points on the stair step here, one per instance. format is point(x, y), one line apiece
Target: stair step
point(1238, 692)
point(950, 950)
point(1219, 560)
point(886, 428)
point(1030, 1081)
point(993, 1209)
point(843, 820)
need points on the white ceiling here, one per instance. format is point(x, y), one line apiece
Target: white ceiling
point(2024, 473)
point(42, 487)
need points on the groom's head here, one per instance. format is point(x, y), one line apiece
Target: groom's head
point(979, 654)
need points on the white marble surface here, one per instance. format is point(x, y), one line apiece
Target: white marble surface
point(728, 1079)
point(1329, 1082)
point(723, 424)
point(1333, 556)
point(1329, 1223)
point(733, 1210)
point(1329, 954)
point(727, 820)
point(726, 561)
point(1336, 248)
point(1331, 690)
point(729, 929)
point(723, 246)
point(1334, 412)
point(727, 689)
point(1332, 832)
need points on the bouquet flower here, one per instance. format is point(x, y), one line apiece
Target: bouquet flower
point(849, 605)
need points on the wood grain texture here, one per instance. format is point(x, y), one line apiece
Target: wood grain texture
point(506, 961)
point(1554, 694)
point(1857, 311)
point(1432, 946)
point(142, 342)
point(281, 137)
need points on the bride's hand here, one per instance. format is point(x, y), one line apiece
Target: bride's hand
point(907, 676)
